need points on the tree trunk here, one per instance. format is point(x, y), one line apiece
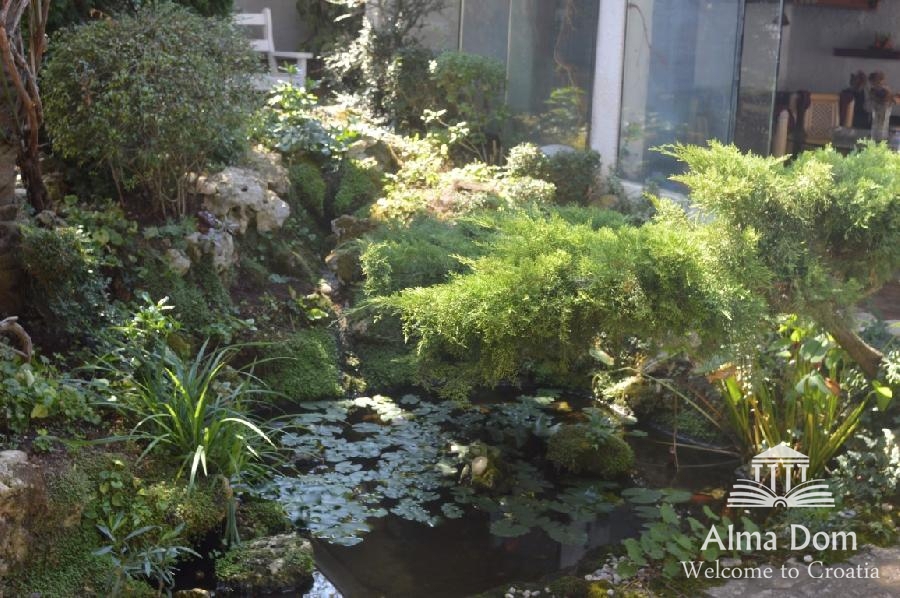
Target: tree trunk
point(10, 271)
point(21, 115)
point(865, 355)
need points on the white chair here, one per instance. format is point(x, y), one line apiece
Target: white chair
point(266, 45)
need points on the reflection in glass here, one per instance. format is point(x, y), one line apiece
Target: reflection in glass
point(548, 49)
point(678, 83)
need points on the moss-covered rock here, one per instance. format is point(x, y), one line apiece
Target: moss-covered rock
point(257, 518)
point(360, 184)
point(304, 366)
point(276, 565)
point(574, 448)
point(386, 366)
point(308, 188)
point(200, 509)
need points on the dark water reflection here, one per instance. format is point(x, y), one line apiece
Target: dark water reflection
point(404, 559)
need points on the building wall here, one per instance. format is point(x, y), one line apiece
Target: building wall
point(814, 33)
point(287, 29)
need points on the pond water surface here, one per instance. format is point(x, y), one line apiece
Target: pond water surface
point(450, 558)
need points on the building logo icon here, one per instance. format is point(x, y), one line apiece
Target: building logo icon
point(754, 493)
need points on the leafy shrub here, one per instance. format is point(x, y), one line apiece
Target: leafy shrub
point(37, 392)
point(360, 65)
point(151, 96)
point(668, 538)
point(423, 253)
point(65, 286)
point(303, 366)
point(290, 123)
point(200, 300)
point(575, 174)
point(470, 91)
point(407, 96)
point(547, 290)
point(308, 186)
point(359, 185)
point(526, 159)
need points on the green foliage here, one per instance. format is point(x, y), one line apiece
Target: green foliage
point(360, 65)
point(330, 23)
point(66, 567)
point(308, 187)
point(407, 95)
point(197, 509)
point(668, 538)
point(565, 118)
point(800, 389)
point(290, 123)
point(67, 13)
point(590, 448)
point(360, 184)
point(386, 366)
point(575, 175)
point(547, 290)
point(132, 557)
point(303, 366)
point(64, 284)
point(149, 96)
point(200, 300)
point(423, 253)
point(469, 93)
point(827, 225)
point(526, 159)
point(38, 392)
point(869, 473)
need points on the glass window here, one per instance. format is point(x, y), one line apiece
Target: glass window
point(548, 49)
point(678, 81)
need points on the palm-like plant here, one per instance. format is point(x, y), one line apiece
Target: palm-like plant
point(197, 412)
point(191, 411)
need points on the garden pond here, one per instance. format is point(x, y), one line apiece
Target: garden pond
point(389, 495)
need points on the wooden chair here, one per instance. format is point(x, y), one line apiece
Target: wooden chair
point(266, 45)
point(823, 116)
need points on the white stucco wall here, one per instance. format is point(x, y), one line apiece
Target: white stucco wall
point(814, 33)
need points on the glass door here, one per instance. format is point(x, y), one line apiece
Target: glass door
point(763, 26)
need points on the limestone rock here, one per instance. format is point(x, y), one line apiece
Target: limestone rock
point(217, 242)
point(22, 502)
point(271, 168)
point(276, 565)
point(178, 262)
point(241, 196)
